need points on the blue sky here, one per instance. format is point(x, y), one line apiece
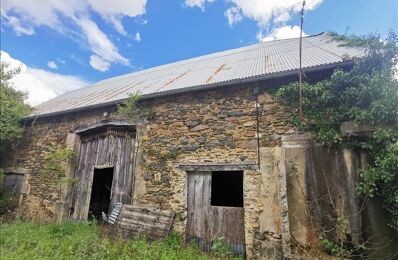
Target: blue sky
point(63, 45)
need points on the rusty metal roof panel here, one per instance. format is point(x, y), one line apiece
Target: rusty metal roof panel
point(247, 62)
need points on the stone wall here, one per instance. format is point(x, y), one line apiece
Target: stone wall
point(219, 126)
point(40, 136)
point(297, 189)
point(213, 126)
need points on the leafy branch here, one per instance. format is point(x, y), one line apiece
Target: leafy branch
point(54, 166)
point(12, 106)
point(132, 110)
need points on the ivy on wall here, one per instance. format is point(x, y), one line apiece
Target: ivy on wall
point(366, 94)
point(55, 160)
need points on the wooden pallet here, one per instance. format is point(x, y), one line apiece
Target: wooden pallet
point(133, 221)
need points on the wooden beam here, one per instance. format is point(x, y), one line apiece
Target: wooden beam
point(212, 166)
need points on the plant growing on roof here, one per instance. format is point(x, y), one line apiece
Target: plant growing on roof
point(131, 109)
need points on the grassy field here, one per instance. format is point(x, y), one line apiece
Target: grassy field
point(26, 240)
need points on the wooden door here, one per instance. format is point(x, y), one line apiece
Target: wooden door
point(112, 147)
point(207, 223)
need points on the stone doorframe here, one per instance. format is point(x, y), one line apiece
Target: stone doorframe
point(73, 142)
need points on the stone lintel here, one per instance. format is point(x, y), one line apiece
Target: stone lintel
point(17, 170)
point(297, 140)
point(356, 129)
point(212, 166)
point(102, 123)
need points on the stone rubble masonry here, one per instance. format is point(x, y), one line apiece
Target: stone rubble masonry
point(210, 126)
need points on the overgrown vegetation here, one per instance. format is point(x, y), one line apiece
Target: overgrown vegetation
point(84, 241)
point(130, 109)
point(12, 107)
point(55, 160)
point(220, 249)
point(381, 178)
point(342, 250)
point(367, 94)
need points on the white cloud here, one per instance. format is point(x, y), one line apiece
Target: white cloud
point(18, 28)
point(233, 15)
point(137, 37)
point(23, 16)
point(98, 63)
point(284, 32)
point(198, 3)
point(100, 43)
point(141, 21)
point(264, 12)
point(41, 85)
point(52, 65)
point(276, 11)
point(114, 11)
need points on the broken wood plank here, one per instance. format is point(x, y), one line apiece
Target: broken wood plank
point(136, 221)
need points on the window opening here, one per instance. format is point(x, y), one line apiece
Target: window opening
point(227, 188)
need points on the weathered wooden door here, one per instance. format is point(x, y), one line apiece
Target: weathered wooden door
point(109, 147)
point(207, 223)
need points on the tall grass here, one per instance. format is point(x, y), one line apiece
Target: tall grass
point(27, 240)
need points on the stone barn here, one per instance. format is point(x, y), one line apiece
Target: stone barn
point(218, 151)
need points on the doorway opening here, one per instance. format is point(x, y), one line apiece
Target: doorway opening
point(100, 192)
point(227, 188)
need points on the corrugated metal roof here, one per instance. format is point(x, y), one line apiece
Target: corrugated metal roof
point(252, 61)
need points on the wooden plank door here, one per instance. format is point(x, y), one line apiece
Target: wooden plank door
point(110, 148)
point(207, 223)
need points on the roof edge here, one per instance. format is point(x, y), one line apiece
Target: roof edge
point(198, 88)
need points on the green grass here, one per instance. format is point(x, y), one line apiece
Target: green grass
point(25, 240)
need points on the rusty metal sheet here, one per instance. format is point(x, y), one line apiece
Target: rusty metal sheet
point(261, 59)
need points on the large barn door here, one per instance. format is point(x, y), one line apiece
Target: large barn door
point(110, 147)
point(207, 219)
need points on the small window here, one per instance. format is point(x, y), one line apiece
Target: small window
point(12, 182)
point(227, 188)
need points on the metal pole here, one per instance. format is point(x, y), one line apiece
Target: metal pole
point(300, 59)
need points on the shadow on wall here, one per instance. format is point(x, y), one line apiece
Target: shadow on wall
point(323, 204)
point(384, 240)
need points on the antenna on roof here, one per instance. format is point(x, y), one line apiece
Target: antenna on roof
point(300, 60)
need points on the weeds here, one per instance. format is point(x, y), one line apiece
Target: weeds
point(26, 240)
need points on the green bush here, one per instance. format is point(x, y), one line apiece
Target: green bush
point(221, 249)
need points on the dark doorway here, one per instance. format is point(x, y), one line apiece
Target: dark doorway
point(100, 192)
point(227, 188)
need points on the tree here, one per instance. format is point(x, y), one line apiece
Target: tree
point(12, 107)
